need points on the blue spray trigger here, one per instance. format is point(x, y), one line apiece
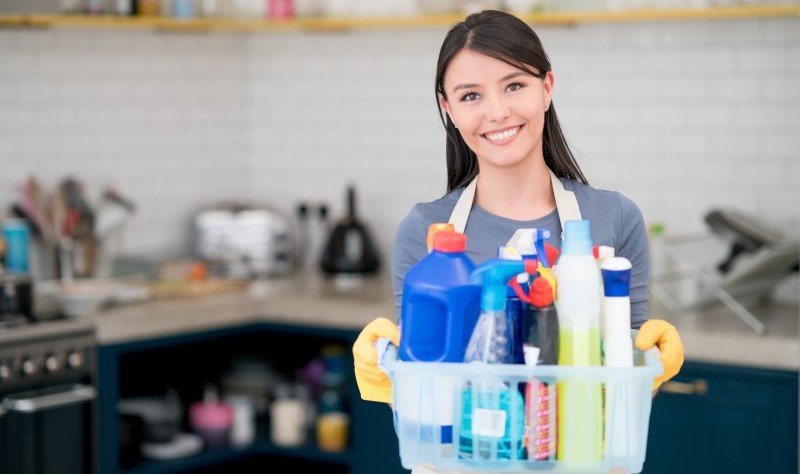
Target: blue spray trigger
point(493, 276)
point(540, 236)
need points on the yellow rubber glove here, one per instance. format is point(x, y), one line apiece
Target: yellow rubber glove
point(373, 383)
point(657, 332)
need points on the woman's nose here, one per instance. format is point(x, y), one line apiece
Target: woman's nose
point(497, 109)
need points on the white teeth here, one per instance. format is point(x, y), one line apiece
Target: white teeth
point(502, 135)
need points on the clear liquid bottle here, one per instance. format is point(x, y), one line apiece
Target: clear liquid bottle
point(492, 409)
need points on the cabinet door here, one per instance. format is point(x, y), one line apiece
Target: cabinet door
point(732, 420)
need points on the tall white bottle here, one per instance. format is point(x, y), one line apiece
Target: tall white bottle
point(580, 429)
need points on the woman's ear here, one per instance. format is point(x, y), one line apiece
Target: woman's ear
point(446, 108)
point(549, 82)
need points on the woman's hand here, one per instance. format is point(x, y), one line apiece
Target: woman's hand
point(657, 332)
point(373, 383)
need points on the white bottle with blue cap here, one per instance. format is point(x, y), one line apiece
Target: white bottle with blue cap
point(622, 398)
point(617, 310)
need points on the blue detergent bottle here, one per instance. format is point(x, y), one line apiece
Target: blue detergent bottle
point(440, 304)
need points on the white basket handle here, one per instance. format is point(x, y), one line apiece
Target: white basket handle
point(387, 353)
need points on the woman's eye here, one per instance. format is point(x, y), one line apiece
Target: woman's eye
point(515, 86)
point(469, 97)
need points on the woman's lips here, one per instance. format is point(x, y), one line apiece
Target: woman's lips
point(503, 137)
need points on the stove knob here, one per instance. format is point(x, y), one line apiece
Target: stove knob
point(5, 372)
point(28, 367)
point(52, 364)
point(75, 360)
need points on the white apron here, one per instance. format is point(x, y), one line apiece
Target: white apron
point(566, 203)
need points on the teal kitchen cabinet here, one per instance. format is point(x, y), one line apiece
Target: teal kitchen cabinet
point(187, 361)
point(717, 418)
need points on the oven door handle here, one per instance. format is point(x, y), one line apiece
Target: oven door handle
point(78, 394)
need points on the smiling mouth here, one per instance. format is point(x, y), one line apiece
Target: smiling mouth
point(501, 138)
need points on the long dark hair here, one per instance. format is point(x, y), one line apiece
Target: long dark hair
point(509, 39)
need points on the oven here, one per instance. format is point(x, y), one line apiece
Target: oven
point(47, 404)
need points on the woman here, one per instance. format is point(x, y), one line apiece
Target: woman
point(509, 167)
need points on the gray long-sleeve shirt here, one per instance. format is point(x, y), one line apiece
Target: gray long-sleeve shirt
point(615, 220)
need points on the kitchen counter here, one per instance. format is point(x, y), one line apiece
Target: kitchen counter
point(44, 330)
point(715, 335)
point(299, 299)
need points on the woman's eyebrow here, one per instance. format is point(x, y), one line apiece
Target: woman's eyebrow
point(503, 79)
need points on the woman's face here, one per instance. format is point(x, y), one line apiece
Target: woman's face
point(498, 108)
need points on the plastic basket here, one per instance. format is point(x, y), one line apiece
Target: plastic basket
point(431, 399)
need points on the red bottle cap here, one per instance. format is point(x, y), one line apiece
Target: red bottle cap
point(541, 293)
point(552, 253)
point(449, 242)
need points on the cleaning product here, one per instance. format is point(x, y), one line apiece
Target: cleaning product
point(601, 253)
point(440, 308)
point(541, 347)
point(490, 341)
point(515, 307)
point(621, 421)
point(529, 243)
point(435, 228)
point(578, 306)
point(492, 410)
point(440, 303)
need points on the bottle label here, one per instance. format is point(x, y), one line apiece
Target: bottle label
point(490, 423)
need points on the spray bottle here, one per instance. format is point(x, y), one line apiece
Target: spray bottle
point(492, 411)
point(580, 430)
point(541, 347)
point(515, 307)
point(530, 245)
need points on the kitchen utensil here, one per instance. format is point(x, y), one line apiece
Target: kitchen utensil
point(242, 240)
point(182, 445)
point(211, 418)
point(83, 297)
point(350, 248)
point(131, 436)
point(290, 414)
point(161, 416)
point(243, 430)
point(16, 297)
point(251, 376)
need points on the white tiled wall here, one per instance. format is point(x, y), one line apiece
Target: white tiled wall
point(679, 116)
point(161, 116)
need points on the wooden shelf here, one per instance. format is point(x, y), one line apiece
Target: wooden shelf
point(423, 21)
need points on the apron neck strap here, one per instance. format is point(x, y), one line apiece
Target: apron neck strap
point(566, 203)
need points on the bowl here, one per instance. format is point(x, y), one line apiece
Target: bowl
point(83, 297)
point(87, 296)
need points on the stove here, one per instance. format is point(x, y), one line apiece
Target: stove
point(12, 321)
point(47, 396)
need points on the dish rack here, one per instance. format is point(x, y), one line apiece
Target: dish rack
point(431, 401)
